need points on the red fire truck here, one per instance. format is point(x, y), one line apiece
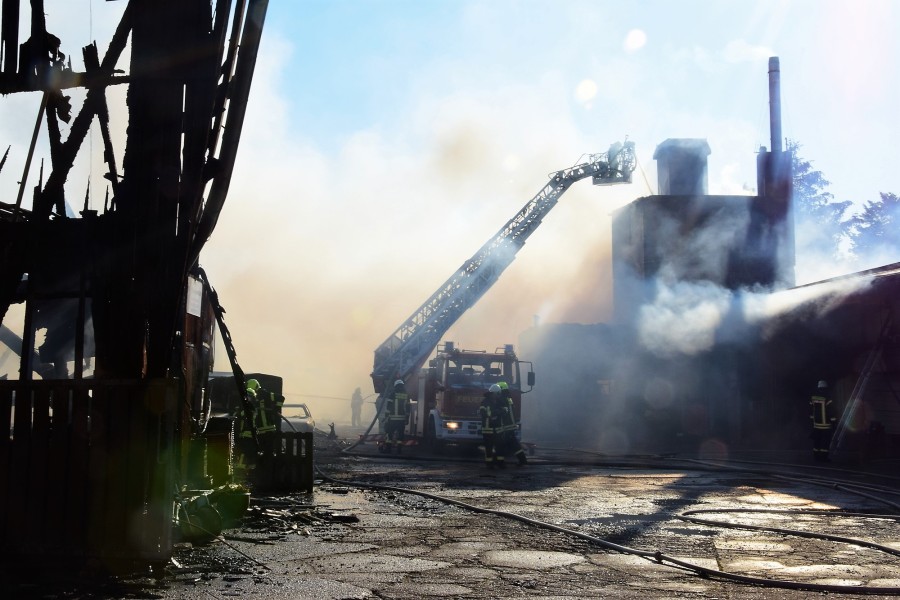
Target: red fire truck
point(449, 391)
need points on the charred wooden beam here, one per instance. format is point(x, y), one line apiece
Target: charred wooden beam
point(9, 37)
point(237, 108)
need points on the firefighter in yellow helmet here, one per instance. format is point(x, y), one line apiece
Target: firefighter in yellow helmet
point(263, 407)
point(489, 411)
point(245, 416)
point(264, 414)
point(509, 428)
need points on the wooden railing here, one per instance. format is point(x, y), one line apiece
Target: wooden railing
point(87, 470)
point(293, 468)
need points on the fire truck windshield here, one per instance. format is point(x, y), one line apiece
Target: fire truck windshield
point(482, 371)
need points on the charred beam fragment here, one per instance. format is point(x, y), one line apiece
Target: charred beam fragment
point(94, 103)
point(240, 91)
point(92, 64)
point(9, 34)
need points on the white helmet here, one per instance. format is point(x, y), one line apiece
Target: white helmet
point(398, 382)
point(822, 384)
point(494, 389)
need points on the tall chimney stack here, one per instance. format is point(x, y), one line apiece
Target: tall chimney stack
point(774, 234)
point(775, 104)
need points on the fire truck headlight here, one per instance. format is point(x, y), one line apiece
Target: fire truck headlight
point(452, 425)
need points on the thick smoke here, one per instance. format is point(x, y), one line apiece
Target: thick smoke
point(317, 260)
point(678, 360)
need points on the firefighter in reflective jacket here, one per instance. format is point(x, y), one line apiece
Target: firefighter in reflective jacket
point(396, 409)
point(268, 416)
point(264, 406)
point(490, 411)
point(246, 419)
point(823, 421)
point(509, 442)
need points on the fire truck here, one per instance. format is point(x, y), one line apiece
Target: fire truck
point(438, 393)
point(449, 391)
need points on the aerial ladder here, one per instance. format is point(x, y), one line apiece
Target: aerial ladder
point(408, 347)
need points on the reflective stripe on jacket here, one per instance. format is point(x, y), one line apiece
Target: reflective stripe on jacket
point(820, 412)
point(507, 415)
point(397, 407)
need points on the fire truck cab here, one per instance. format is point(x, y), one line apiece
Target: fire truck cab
point(449, 391)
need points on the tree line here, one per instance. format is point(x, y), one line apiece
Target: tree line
point(868, 232)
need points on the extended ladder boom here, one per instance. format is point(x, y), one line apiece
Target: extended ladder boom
point(406, 350)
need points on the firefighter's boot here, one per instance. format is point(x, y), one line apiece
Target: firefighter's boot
point(522, 458)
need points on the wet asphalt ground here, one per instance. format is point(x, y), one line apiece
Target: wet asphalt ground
point(611, 516)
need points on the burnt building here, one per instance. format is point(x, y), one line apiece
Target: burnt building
point(685, 235)
point(662, 372)
point(110, 321)
point(712, 348)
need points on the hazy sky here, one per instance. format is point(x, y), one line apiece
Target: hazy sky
point(386, 140)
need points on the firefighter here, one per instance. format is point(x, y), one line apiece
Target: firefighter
point(246, 446)
point(490, 410)
point(356, 402)
point(268, 418)
point(247, 416)
point(823, 421)
point(397, 410)
point(509, 443)
point(265, 406)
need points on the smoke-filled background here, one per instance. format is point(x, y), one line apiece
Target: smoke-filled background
point(386, 141)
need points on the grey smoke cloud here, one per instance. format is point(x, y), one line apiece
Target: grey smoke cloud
point(318, 256)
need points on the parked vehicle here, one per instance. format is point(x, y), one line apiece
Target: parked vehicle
point(296, 417)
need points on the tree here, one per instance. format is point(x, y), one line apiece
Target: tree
point(819, 220)
point(874, 229)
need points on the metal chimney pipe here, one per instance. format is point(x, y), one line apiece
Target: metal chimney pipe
point(775, 103)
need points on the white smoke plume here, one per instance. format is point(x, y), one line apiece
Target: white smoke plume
point(687, 318)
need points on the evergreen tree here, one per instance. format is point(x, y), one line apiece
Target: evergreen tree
point(874, 230)
point(819, 220)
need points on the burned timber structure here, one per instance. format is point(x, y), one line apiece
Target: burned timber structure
point(116, 343)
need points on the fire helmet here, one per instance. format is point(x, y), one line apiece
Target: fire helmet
point(494, 389)
point(503, 385)
point(822, 384)
point(398, 383)
point(252, 385)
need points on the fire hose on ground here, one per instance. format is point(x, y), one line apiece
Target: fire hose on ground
point(660, 557)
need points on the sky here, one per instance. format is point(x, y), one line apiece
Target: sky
point(387, 140)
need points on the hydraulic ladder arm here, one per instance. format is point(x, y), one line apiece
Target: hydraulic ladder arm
point(407, 348)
